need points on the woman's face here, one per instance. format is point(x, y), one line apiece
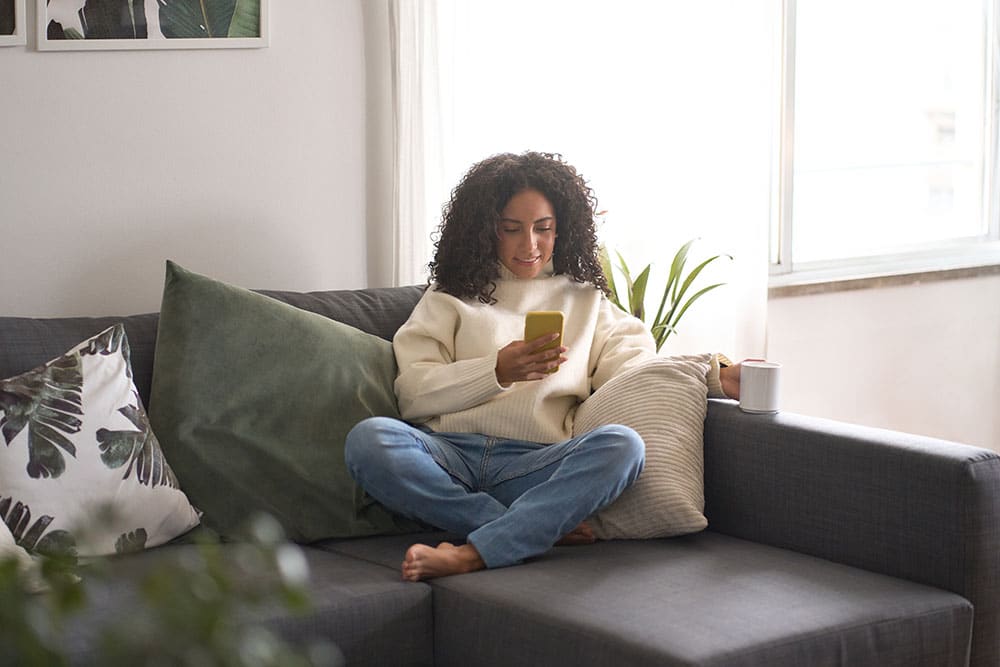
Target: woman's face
point(526, 233)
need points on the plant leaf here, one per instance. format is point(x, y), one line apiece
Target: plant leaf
point(132, 542)
point(673, 277)
point(113, 19)
point(138, 449)
point(638, 296)
point(623, 267)
point(605, 260)
point(106, 343)
point(672, 305)
point(204, 18)
point(693, 299)
point(660, 334)
point(246, 19)
point(691, 278)
point(31, 535)
point(46, 400)
point(56, 543)
point(109, 342)
point(677, 266)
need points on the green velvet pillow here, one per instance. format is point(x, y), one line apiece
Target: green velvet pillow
point(251, 401)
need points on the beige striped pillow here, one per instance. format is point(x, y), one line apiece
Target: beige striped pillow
point(665, 401)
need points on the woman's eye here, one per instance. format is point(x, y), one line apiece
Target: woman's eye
point(543, 229)
point(511, 230)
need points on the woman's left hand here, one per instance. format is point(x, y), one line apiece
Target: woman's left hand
point(729, 377)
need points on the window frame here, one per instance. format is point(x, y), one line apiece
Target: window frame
point(953, 255)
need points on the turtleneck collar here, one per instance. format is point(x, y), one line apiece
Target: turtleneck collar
point(547, 271)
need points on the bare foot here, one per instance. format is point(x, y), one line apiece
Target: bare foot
point(425, 562)
point(582, 534)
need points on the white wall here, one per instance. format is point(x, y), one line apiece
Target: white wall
point(918, 358)
point(246, 165)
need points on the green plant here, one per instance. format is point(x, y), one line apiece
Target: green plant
point(185, 19)
point(196, 607)
point(672, 302)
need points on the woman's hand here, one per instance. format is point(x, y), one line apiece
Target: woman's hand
point(730, 379)
point(524, 360)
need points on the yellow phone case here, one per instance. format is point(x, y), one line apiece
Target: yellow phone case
point(540, 322)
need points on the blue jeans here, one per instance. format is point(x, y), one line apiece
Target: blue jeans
point(512, 499)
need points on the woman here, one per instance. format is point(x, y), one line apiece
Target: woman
point(488, 451)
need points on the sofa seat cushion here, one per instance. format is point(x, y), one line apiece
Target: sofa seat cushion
point(704, 599)
point(365, 610)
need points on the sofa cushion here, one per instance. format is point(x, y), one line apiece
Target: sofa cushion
point(702, 599)
point(378, 311)
point(252, 399)
point(664, 400)
point(80, 469)
point(365, 610)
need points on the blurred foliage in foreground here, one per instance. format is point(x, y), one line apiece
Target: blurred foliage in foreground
point(195, 607)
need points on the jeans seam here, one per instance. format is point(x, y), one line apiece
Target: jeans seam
point(558, 459)
point(442, 463)
point(484, 464)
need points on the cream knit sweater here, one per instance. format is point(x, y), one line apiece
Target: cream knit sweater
point(447, 356)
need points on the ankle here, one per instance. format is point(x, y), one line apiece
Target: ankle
point(470, 558)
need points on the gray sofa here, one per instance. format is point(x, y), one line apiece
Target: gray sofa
point(827, 544)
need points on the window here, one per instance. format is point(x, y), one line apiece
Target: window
point(889, 139)
point(665, 107)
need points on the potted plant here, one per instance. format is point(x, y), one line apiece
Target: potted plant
point(674, 301)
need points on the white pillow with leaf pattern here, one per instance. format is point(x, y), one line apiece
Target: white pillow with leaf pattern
point(80, 468)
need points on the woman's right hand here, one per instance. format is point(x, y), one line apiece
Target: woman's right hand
point(524, 360)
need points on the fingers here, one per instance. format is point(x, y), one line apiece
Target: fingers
point(543, 340)
point(549, 360)
point(533, 358)
point(520, 361)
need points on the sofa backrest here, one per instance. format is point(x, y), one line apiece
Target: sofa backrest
point(27, 342)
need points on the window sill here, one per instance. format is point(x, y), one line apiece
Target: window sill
point(967, 262)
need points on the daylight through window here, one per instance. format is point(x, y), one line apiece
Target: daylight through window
point(890, 128)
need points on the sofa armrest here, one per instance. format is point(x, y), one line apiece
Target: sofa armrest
point(903, 505)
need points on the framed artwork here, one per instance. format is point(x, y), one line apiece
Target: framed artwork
point(72, 25)
point(12, 30)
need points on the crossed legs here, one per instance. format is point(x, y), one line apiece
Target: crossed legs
point(512, 499)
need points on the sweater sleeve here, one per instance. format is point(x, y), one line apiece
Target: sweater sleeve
point(431, 382)
point(624, 341)
point(620, 341)
point(714, 380)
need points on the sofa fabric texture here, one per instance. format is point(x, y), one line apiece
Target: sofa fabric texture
point(913, 507)
point(363, 609)
point(702, 599)
point(827, 544)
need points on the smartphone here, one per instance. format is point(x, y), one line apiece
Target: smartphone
point(540, 322)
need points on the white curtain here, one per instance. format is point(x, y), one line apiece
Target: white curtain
point(405, 166)
point(668, 108)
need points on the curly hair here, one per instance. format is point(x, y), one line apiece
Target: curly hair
point(465, 259)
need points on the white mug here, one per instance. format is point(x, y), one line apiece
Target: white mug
point(760, 386)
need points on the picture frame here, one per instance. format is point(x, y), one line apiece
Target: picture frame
point(12, 29)
point(76, 25)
